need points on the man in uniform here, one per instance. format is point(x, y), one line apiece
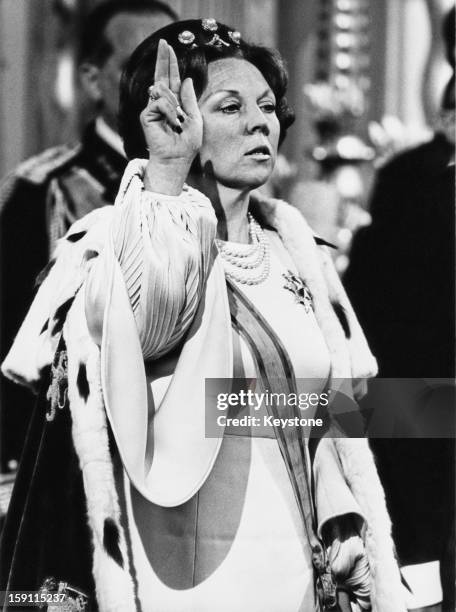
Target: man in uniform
point(47, 193)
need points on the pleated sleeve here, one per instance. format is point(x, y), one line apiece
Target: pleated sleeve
point(163, 246)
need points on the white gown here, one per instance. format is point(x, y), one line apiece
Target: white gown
point(239, 544)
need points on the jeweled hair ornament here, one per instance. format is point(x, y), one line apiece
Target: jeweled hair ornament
point(188, 38)
point(209, 24)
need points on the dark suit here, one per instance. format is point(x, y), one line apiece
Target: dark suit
point(400, 276)
point(402, 285)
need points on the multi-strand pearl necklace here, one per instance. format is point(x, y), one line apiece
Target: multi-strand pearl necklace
point(249, 265)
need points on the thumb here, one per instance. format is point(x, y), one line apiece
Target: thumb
point(188, 98)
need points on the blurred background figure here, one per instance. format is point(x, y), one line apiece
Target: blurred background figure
point(372, 79)
point(44, 195)
point(401, 280)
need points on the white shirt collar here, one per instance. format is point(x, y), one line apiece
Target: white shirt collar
point(111, 137)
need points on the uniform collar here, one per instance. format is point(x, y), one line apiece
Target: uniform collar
point(104, 162)
point(110, 137)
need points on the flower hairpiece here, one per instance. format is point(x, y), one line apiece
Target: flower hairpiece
point(187, 38)
point(209, 24)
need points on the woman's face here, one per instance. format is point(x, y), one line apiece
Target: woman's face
point(240, 125)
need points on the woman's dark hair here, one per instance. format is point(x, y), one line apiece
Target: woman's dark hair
point(193, 59)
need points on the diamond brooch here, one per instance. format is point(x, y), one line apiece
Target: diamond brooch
point(299, 289)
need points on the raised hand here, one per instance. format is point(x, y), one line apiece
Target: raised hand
point(172, 124)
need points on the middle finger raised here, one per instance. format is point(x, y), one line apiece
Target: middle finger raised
point(174, 76)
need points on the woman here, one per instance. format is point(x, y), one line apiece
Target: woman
point(159, 295)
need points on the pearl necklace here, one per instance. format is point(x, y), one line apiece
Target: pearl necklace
point(250, 266)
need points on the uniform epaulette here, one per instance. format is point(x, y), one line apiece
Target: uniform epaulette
point(38, 168)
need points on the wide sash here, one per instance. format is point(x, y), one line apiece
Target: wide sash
point(275, 374)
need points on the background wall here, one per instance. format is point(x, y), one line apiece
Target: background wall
point(14, 49)
point(39, 102)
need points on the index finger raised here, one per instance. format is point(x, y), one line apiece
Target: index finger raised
point(161, 74)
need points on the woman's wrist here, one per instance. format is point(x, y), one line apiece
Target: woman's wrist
point(166, 176)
